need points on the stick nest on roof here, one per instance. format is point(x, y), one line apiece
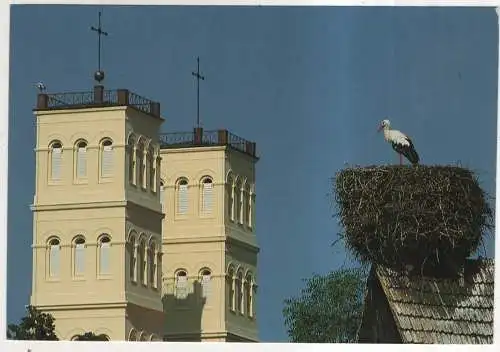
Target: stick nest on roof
point(399, 215)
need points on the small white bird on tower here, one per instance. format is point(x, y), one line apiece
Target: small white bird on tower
point(41, 87)
point(400, 142)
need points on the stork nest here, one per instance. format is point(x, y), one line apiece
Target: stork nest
point(400, 216)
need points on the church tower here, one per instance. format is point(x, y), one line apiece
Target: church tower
point(97, 215)
point(138, 235)
point(210, 277)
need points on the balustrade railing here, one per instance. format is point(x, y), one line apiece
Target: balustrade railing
point(99, 97)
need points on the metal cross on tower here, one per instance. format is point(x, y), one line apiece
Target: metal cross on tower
point(99, 75)
point(198, 77)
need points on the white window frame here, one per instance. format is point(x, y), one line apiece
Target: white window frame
point(56, 162)
point(54, 266)
point(207, 195)
point(181, 285)
point(182, 198)
point(81, 160)
point(206, 283)
point(107, 159)
point(79, 257)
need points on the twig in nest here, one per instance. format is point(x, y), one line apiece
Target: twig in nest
point(393, 214)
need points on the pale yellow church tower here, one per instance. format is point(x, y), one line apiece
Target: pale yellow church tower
point(138, 235)
point(210, 271)
point(97, 216)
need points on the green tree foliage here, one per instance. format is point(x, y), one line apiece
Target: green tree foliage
point(90, 336)
point(34, 326)
point(329, 309)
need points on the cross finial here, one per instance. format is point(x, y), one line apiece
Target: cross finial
point(99, 75)
point(198, 77)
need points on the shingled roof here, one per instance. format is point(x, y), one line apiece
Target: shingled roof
point(445, 311)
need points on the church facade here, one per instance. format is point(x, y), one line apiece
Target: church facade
point(139, 235)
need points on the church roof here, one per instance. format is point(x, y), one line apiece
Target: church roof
point(446, 311)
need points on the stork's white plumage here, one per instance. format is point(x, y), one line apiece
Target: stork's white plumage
point(41, 87)
point(400, 142)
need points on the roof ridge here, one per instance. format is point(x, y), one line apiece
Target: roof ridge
point(391, 308)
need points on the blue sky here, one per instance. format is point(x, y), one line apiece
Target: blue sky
point(308, 85)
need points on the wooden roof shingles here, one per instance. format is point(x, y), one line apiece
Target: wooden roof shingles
point(449, 311)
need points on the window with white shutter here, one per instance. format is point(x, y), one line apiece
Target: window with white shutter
point(151, 171)
point(140, 165)
point(54, 258)
point(107, 159)
point(247, 205)
point(162, 196)
point(104, 255)
point(152, 266)
point(79, 257)
point(205, 283)
point(238, 202)
point(250, 209)
point(158, 269)
point(182, 197)
point(56, 161)
point(207, 196)
point(231, 286)
point(82, 162)
point(142, 262)
point(132, 259)
point(230, 198)
point(181, 285)
point(157, 179)
point(131, 161)
point(248, 296)
point(239, 293)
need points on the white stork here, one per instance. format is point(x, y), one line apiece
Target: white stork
point(41, 87)
point(400, 142)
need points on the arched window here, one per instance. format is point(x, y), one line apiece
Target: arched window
point(81, 160)
point(181, 284)
point(79, 256)
point(231, 285)
point(132, 335)
point(247, 206)
point(230, 198)
point(151, 170)
point(162, 195)
point(152, 265)
point(104, 255)
point(207, 196)
point(154, 337)
point(142, 262)
point(238, 201)
point(131, 160)
point(249, 295)
point(251, 206)
point(140, 164)
point(54, 257)
point(132, 256)
point(55, 155)
point(239, 292)
point(182, 196)
point(107, 157)
point(159, 265)
point(206, 277)
point(157, 171)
